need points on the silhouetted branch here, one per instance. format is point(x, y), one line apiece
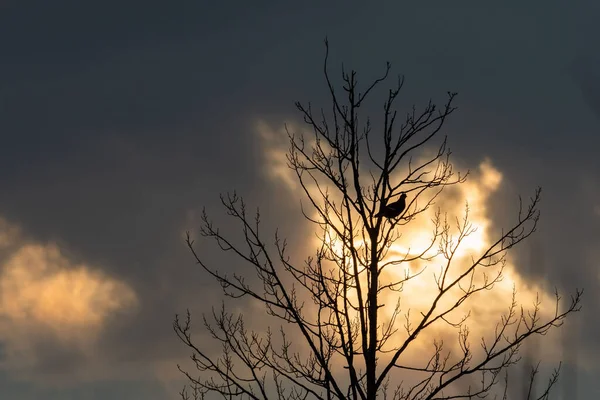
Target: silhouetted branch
point(336, 344)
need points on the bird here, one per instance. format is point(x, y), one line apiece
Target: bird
point(394, 209)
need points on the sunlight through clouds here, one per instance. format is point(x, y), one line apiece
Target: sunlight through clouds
point(485, 308)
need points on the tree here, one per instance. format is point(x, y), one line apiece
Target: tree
point(335, 340)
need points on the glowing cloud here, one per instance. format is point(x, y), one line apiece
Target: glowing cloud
point(39, 284)
point(45, 299)
point(485, 307)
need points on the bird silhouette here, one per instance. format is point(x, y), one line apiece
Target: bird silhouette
point(394, 209)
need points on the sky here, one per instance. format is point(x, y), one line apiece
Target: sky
point(121, 120)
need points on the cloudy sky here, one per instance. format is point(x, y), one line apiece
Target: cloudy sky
point(120, 120)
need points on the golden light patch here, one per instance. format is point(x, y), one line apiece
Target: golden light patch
point(486, 308)
point(39, 285)
point(47, 302)
point(490, 178)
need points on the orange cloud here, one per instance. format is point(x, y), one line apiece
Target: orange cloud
point(418, 294)
point(46, 298)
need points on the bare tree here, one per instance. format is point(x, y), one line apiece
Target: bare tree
point(334, 341)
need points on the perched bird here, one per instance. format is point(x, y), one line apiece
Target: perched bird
point(394, 209)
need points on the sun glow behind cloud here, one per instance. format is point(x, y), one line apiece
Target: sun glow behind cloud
point(422, 290)
point(486, 307)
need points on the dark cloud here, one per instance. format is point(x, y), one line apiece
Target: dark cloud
point(584, 71)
